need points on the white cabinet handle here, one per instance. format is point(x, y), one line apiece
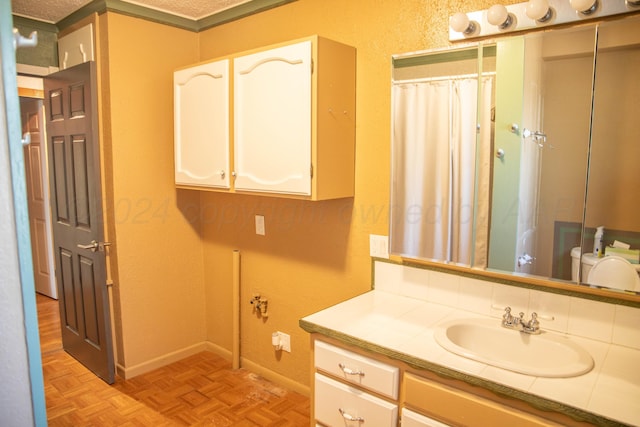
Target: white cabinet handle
point(349, 371)
point(349, 417)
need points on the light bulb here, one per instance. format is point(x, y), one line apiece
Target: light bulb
point(539, 10)
point(499, 16)
point(585, 7)
point(460, 22)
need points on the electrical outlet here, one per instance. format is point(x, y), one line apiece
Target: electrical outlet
point(260, 225)
point(285, 341)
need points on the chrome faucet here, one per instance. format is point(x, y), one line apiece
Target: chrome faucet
point(531, 326)
point(525, 259)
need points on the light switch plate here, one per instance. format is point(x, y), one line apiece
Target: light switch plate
point(260, 225)
point(379, 246)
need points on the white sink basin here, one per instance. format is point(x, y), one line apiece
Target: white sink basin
point(486, 341)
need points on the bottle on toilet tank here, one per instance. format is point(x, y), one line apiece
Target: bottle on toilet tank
point(598, 244)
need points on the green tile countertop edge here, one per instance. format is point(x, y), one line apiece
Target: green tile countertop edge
point(502, 390)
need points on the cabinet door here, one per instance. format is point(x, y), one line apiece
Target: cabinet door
point(272, 106)
point(201, 115)
point(461, 408)
point(76, 47)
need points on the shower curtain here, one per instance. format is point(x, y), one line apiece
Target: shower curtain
point(434, 170)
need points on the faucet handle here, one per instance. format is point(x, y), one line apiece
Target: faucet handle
point(506, 317)
point(533, 325)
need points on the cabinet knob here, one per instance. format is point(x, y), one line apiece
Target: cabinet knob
point(222, 174)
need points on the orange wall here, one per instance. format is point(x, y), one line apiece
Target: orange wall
point(158, 283)
point(314, 254)
point(172, 257)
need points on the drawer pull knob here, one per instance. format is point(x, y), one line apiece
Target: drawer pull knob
point(350, 371)
point(350, 417)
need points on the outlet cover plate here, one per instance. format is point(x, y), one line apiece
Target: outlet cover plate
point(285, 341)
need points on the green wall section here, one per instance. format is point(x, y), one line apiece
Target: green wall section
point(506, 171)
point(45, 54)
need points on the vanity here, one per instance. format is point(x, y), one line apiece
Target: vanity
point(506, 154)
point(376, 360)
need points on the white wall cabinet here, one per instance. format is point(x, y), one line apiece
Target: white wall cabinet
point(293, 120)
point(76, 47)
point(201, 125)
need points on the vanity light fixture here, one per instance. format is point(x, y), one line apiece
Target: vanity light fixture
point(499, 16)
point(532, 15)
point(460, 22)
point(585, 7)
point(539, 10)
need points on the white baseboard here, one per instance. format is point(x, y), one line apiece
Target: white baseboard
point(159, 362)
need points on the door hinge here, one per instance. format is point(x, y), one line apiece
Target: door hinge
point(311, 170)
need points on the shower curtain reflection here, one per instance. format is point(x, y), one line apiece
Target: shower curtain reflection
point(435, 169)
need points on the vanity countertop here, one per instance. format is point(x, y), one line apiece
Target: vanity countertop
point(403, 328)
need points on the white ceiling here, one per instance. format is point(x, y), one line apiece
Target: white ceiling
point(53, 11)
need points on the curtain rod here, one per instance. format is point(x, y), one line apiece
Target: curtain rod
point(444, 78)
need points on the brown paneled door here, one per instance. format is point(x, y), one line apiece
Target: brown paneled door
point(74, 175)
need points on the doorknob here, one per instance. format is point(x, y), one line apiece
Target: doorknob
point(95, 246)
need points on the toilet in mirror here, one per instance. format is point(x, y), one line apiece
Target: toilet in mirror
point(610, 271)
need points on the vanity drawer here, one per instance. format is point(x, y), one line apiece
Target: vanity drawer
point(463, 409)
point(337, 404)
point(354, 368)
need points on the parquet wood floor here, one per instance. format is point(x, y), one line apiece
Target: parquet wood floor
point(201, 390)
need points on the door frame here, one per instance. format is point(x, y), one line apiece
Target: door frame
point(11, 136)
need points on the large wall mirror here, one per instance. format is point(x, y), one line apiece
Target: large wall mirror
point(520, 155)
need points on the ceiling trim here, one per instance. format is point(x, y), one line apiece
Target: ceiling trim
point(137, 11)
point(129, 9)
point(240, 11)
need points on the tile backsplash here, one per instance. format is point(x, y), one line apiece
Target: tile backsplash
point(602, 321)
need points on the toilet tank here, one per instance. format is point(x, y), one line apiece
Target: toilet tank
point(588, 260)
